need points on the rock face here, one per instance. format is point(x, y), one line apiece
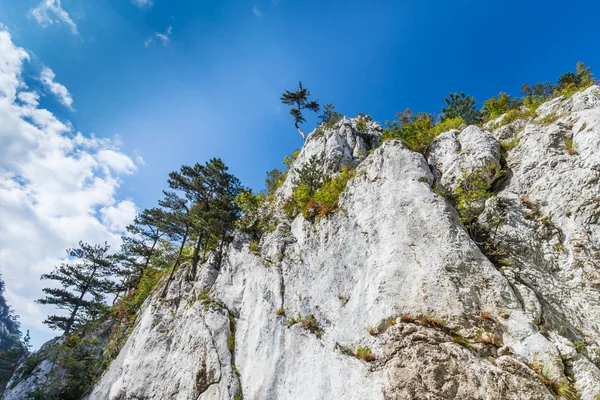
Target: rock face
point(389, 297)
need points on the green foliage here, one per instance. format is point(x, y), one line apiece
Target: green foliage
point(447, 125)
point(361, 126)
point(496, 106)
point(84, 286)
point(541, 90)
point(275, 178)
point(309, 176)
point(414, 130)
point(325, 200)
point(570, 82)
point(329, 117)
point(231, 339)
point(125, 310)
point(364, 353)
point(78, 366)
point(461, 105)
point(256, 216)
point(516, 114)
point(308, 180)
point(139, 246)
point(584, 73)
point(299, 100)
point(472, 191)
point(310, 324)
point(570, 145)
point(208, 194)
point(507, 146)
point(81, 361)
point(549, 119)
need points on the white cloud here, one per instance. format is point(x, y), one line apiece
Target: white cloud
point(56, 187)
point(50, 11)
point(142, 3)
point(165, 37)
point(47, 77)
point(256, 11)
point(117, 218)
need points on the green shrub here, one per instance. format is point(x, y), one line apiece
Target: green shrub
point(569, 83)
point(507, 146)
point(541, 90)
point(335, 118)
point(361, 352)
point(256, 214)
point(448, 124)
point(533, 102)
point(310, 324)
point(327, 197)
point(414, 130)
point(361, 126)
point(549, 119)
point(516, 114)
point(496, 106)
point(463, 106)
point(316, 201)
point(253, 247)
point(472, 191)
point(364, 353)
point(570, 145)
point(274, 180)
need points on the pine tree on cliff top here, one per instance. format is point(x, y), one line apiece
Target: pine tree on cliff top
point(300, 101)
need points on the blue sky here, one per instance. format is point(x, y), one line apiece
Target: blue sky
point(210, 85)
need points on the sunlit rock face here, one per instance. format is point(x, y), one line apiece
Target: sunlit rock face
point(390, 297)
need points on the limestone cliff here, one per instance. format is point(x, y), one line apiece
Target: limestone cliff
point(390, 297)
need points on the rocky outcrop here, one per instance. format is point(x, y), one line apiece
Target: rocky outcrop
point(389, 297)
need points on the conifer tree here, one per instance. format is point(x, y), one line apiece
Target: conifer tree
point(205, 197)
point(84, 284)
point(461, 105)
point(12, 348)
point(328, 113)
point(299, 100)
point(139, 246)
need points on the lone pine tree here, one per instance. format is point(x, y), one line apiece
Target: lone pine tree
point(84, 284)
point(300, 101)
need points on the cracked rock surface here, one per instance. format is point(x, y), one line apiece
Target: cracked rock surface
point(393, 273)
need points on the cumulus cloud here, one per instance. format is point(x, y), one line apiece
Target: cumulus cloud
point(56, 187)
point(47, 77)
point(49, 12)
point(142, 3)
point(119, 216)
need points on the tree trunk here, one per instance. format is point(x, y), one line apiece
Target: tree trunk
point(177, 261)
point(196, 257)
point(300, 131)
point(77, 306)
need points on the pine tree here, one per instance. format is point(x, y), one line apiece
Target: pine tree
point(139, 246)
point(85, 282)
point(309, 175)
point(461, 105)
point(299, 99)
point(328, 113)
point(206, 207)
point(12, 349)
